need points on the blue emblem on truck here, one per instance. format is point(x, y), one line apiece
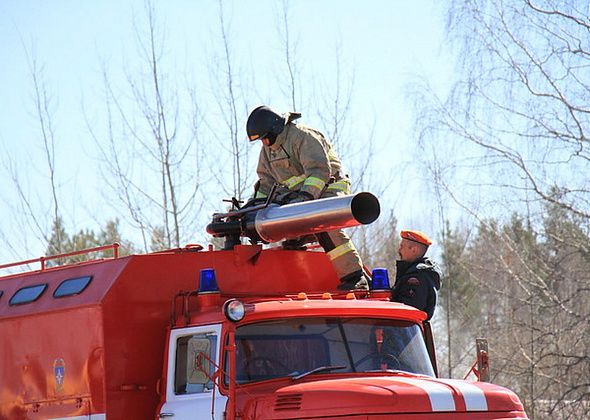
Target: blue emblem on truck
point(59, 373)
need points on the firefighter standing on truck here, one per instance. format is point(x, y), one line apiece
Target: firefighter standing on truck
point(303, 162)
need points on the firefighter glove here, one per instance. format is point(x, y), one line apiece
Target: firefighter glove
point(254, 202)
point(298, 197)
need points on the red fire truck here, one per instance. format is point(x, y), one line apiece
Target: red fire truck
point(238, 333)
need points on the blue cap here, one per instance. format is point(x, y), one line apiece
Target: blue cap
point(380, 279)
point(208, 281)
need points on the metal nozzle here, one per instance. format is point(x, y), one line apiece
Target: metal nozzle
point(276, 223)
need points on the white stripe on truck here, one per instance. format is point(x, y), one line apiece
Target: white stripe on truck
point(475, 398)
point(441, 397)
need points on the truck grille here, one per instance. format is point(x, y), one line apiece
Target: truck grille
point(288, 402)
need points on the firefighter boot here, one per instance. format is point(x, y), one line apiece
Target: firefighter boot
point(354, 281)
point(293, 245)
point(298, 244)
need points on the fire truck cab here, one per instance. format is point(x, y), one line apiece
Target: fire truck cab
point(299, 356)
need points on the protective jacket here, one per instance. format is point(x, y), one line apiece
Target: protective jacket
point(417, 284)
point(301, 159)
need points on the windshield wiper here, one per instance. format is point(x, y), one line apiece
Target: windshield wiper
point(394, 371)
point(317, 370)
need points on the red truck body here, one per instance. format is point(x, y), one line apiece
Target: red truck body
point(96, 340)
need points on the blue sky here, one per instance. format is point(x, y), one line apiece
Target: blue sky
point(387, 45)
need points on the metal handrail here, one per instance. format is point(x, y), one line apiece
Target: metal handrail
point(43, 260)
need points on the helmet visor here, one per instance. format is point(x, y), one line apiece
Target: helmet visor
point(255, 137)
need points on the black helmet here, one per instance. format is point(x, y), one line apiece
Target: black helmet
point(264, 122)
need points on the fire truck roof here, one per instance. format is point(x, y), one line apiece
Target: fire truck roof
point(246, 271)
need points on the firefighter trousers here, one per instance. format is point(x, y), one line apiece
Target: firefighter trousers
point(337, 244)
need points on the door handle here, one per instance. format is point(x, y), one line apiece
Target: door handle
point(162, 415)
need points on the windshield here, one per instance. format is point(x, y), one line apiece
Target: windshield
point(296, 347)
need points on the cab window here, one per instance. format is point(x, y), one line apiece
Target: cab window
point(194, 370)
point(300, 347)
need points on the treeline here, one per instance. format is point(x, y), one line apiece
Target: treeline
point(61, 242)
point(526, 288)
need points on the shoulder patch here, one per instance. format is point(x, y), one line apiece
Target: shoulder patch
point(413, 281)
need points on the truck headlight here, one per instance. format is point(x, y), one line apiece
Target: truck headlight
point(234, 310)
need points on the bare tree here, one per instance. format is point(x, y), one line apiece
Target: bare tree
point(38, 210)
point(42, 104)
point(523, 101)
point(231, 108)
point(515, 130)
point(335, 108)
point(289, 48)
point(152, 159)
point(34, 213)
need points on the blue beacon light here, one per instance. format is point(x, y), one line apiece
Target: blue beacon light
point(380, 279)
point(208, 281)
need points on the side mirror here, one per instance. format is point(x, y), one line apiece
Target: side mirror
point(483, 362)
point(481, 367)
